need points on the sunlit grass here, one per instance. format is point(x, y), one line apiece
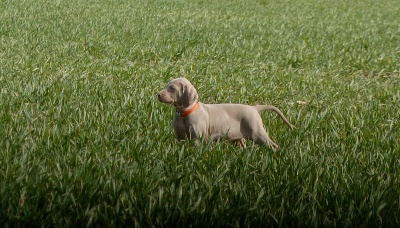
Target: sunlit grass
point(84, 140)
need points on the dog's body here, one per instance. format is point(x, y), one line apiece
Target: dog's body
point(234, 122)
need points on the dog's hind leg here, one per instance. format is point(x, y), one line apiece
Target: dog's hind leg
point(263, 138)
point(241, 143)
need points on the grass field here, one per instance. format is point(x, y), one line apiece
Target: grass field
point(84, 140)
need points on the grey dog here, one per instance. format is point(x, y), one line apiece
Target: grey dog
point(234, 122)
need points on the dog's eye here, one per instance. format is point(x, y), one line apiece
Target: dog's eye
point(172, 88)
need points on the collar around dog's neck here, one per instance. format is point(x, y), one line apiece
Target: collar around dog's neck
point(187, 112)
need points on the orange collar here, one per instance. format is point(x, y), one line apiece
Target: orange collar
point(187, 112)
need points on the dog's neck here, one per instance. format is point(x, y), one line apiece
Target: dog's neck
point(183, 112)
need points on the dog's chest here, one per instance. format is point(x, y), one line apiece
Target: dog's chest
point(183, 128)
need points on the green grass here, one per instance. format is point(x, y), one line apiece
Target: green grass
point(84, 141)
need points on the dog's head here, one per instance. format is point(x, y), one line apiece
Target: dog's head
point(179, 92)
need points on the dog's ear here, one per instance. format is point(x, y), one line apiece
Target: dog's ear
point(189, 94)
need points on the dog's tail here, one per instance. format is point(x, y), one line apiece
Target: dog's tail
point(260, 108)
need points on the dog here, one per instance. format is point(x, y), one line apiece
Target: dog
point(234, 122)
